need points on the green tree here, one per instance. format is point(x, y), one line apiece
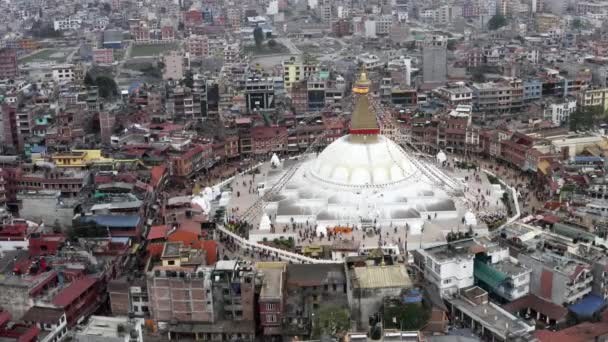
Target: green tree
point(577, 23)
point(258, 36)
point(331, 321)
point(497, 22)
point(188, 79)
point(272, 43)
point(88, 80)
point(585, 118)
point(406, 317)
point(107, 86)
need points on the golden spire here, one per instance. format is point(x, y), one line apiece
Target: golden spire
point(363, 83)
point(363, 122)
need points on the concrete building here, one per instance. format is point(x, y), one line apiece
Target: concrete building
point(486, 319)
point(110, 329)
point(456, 93)
point(559, 112)
point(259, 93)
point(64, 73)
point(174, 66)
point(449, 267)
point(197, 46)
point(369, 285)
point(295, 71)
point(434, 60)
point(271, 299)
point(103, 56)
point(51, 322)
point(533, 90)
point(503, 96)
point(594, 98)
point(67, 24)
point(558, 280)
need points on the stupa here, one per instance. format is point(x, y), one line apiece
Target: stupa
point(362, 180)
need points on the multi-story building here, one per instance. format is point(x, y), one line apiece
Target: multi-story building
point(316, 93)
point(502, 275)
point(68, 182)
point(559, 112)
point(259, 93)
point(383, 25)
point(434, 57)
point(192, 160)
point(174, 66)
point(593, 7)
point(594, 98)
point(271, 298)
point(8, 64)
point(299, 97)
point(449, 267)
point(295, 71)
point(64, 73)
point(266, 140)
point(561, 281)
point(503, 96)
point(67, 24)
point(197, 46)
point(139, 29)
point(103, 56)
point(533, 90)
point(183, 103)
point(456, 93)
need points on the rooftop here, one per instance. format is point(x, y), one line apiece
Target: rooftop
point(375, 277)
point(272, 285)
point(462, 248)
point(108, 327)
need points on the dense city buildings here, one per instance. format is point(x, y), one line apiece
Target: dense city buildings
point(294, 170)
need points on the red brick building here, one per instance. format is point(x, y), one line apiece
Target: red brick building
point(81, 298)
point(271, 300)
point(268, 139)
point(8, 64)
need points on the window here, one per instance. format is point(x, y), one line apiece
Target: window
point(270, 307)
point(171, 262)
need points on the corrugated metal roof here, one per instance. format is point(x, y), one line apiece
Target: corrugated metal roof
point(376, 277)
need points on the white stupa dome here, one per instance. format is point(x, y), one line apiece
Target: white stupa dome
point(354, 161)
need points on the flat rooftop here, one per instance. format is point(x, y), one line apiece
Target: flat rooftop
point(107, 327)
point(493, 318)
point(452, 250)
point(510, 268)
point(376, 277)
point(272, 286)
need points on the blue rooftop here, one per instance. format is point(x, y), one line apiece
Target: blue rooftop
point(114, 221)
point(588, 159)
point(588, 306)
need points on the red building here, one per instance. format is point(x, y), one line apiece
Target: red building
point(268, 139)
point(192, 160)
point(193, 18)
point(103, 56)
point(271, 298)
point(16, 332)
point(81, 298)
point(515, 150)
point(167, 33)
point(10, 136)
point(8, 64)
point(45, 244)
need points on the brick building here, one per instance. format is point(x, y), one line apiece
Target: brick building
point(8, 64)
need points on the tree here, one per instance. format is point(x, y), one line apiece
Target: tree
point(497, 22)
point(88, 80)
point(331, 321)
point(577, 23)
point(258, 36)
point(107, 86)
point(406, 317)
point(272, 43)
point(585, 118)
point(188, 79)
